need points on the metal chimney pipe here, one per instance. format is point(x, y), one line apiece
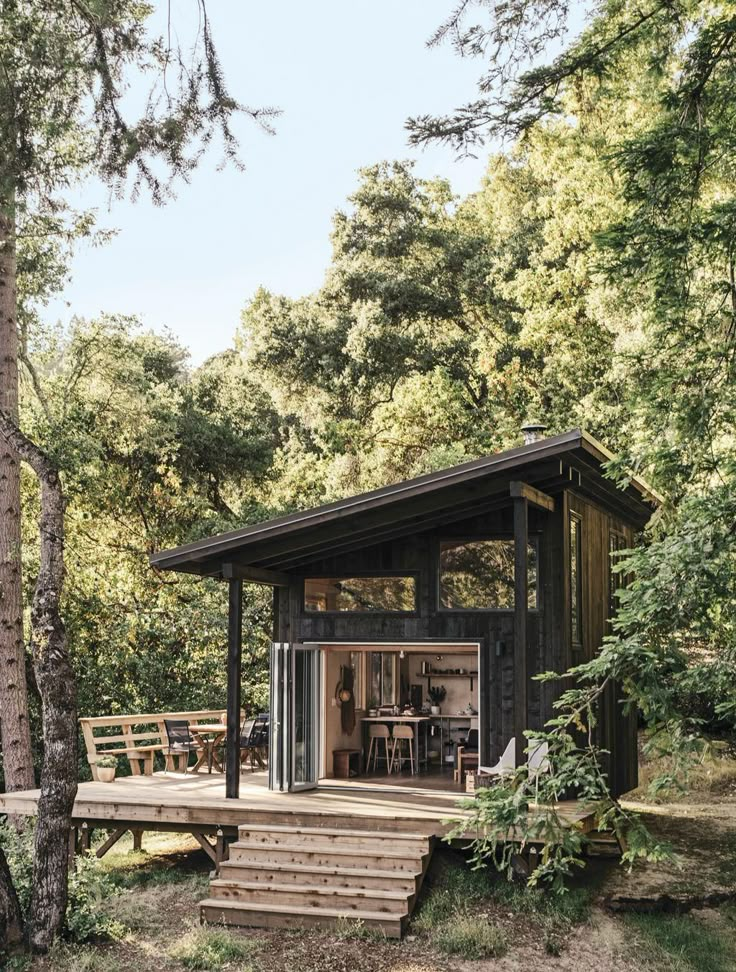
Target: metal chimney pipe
point(533, 432)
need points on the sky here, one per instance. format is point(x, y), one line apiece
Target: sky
point(346, 74)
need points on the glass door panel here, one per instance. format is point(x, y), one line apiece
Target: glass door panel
point(305, 701)
point(295, 725)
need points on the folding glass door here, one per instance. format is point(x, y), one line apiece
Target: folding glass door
point(295, 695)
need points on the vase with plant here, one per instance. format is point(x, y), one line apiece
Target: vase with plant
point(437, 695)
point(373, 707)
point(106, 766)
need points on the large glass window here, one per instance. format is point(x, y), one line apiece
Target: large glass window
point(383, 678)
point(360, 594)
point(478, 575)
point(576, 581)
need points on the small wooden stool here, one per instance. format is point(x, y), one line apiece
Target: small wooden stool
point(465, 761)
point(345, 763)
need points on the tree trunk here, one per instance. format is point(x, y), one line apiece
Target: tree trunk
point(57, 688)
point(11, 920)
point(15, 734)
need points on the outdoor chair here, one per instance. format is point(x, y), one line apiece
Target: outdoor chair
point(537, 763)
point(179, 744)
point(254, 741)
point(506, 764)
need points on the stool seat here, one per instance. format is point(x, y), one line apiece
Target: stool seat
point(403, 734)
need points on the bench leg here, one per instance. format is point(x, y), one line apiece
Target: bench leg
point(137, 840)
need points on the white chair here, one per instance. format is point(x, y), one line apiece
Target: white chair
point(506, 764)
point(538, 761)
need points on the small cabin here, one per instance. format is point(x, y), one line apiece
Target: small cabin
point(470, 580)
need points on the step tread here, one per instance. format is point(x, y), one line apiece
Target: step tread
point(312, 889)
point(256, 906)
point(332, 832)
point(401, 852)
point(337, 871)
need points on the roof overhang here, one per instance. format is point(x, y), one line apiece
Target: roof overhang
point(263, 552)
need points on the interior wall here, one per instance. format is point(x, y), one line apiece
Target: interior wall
point(458, 689)
point(334, 737)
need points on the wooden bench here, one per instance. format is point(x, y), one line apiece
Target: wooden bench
point(139, 738)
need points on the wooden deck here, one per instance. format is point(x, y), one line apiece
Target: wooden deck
point(178, 802)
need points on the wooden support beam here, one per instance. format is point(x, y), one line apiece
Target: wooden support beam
point(255, 575)
point(137, 840)
point(521, 596)
point(533, 496)
point(234, 674)
point(206, 846)
point(111, 841)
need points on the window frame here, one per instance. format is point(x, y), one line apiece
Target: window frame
point(533, 540)
point(412, 574)
point(576, 610)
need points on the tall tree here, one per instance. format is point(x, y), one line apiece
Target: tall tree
point(66, 67)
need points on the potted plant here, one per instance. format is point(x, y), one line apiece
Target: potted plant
point(106, 766)
point(437, 695)
point(373, 707)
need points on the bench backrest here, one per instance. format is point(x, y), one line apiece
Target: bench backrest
point(124, 731)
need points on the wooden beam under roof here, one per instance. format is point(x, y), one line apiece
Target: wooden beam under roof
point(533, 496)
point(255, 575)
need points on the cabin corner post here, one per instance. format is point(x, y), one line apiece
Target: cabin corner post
point(521, 603)
point(234, 671)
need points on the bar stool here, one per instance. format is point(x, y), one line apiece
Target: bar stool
point(377, 732)
point(402, 734)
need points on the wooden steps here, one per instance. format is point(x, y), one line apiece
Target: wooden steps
point(282, 876)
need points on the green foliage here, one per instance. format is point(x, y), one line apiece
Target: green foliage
point(107, 762)
point(89, 887)
point(211, 949)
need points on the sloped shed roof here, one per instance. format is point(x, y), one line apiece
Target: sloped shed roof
point(573, 458)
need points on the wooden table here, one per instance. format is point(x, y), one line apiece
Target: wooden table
point(420, 721)
point(215, 733)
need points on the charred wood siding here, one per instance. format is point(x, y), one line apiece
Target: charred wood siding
point(548, 627)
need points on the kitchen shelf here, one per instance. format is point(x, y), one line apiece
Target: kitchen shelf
point(438, 675)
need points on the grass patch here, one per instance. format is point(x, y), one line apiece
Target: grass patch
point(212, 949)
point(460, 899)
point(682, 943)
point(470, 938)
point(140, 910)
point(352, 929)
point(80, 958)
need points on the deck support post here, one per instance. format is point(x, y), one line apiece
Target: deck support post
point(234, 671)
point(521, 600)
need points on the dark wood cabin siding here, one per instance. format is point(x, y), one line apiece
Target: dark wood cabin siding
point(617, 729)
point(494, 630)
point(548, 636)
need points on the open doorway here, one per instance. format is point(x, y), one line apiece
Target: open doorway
point(429, 690)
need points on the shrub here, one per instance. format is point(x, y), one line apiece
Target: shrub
point(471, 938)
point(89, 886)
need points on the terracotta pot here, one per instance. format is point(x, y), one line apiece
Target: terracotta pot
point(106, 774)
